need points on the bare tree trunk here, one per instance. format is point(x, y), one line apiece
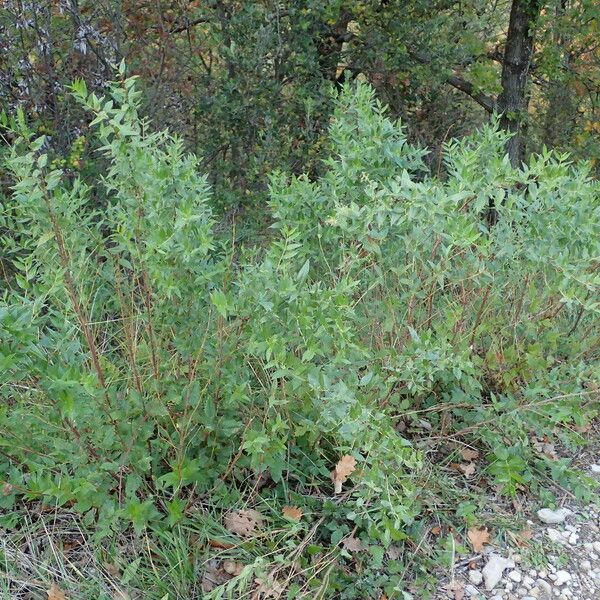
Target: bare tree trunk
point(518, 51)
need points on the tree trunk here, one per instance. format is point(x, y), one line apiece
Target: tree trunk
point(518, 51)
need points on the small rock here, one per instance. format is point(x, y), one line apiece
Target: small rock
point(492, 572)
point(595, 468)
point(573, 538)
point(528, 581)
point(596, 546)
point(553, 517)
point(515, 576)
point(586, 565)
point(555, 535)
point(475, 577)
point(545, 589)
point(562, 577)
point(471, 590)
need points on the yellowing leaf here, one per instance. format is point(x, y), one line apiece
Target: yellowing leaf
point(342, 471)
point(292, 512)
point(243, 522)
point(478, 538)
point(55, 593)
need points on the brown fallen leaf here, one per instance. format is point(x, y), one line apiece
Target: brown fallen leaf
point(352, 544)
point(342, 471)
point(112, 569)
point(268, 588)
point(213, 576)
point(468, 469)
point(220, 544)
point(394, 552)
point(523, 537)
point(436, 530)
point(459, 591)
point(456, 588)
point(292, 512)
point(468, 454)
point(55, 593)
point(233, 568)
point(243, 522)
point(478, 538)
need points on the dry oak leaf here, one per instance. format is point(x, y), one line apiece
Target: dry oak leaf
point(292, 512)
point(269, 588)
point(233, 568)
point(478, 538)
point(243, 522)
point(55, 593)
point(352, 544)
point(468, 470)
point(469, 454)
point(523, 537)
point(342, 471)
point(213, 576)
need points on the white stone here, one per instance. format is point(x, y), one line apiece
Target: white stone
point(528, 581)
point(553, 517)
point(545, 589)
point(471, 590)
point(586, 565)
point(515, 576)
point(595, 468)
point(596, 546)
point(562, 577)
point(475, 577)
point(573, 538)
point(555, 535)
point(492, 572)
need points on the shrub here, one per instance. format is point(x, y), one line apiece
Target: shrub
point(148, 361)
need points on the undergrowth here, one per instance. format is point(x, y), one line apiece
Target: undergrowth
point(157, 375)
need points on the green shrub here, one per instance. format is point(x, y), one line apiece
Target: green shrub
point(148, 361)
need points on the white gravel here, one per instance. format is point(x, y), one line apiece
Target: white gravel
point(570, 541)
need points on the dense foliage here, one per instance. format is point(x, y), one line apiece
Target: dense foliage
point(152, 364)
point(246, 84)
